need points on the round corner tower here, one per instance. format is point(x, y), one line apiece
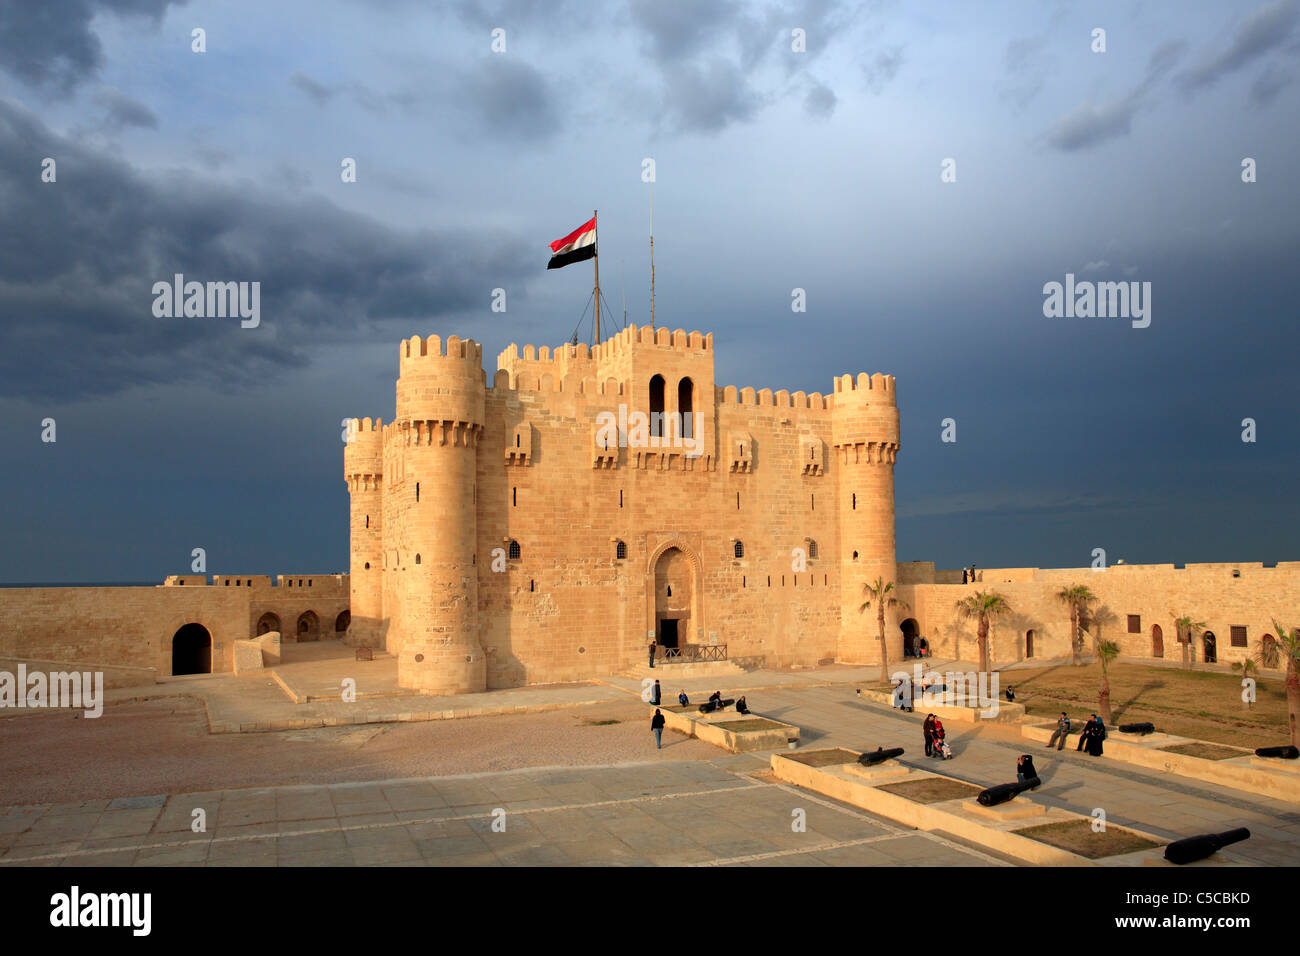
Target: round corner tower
point(363, 467)
point(865, 437)
point(430, 528)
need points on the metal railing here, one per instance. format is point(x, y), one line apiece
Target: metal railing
point(692, 653)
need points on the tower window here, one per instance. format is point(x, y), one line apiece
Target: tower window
point(367, 521)
point(367, 565)
point(855, 555)
point(670, 590)
point(686, 406)
point(769, 580)
point(737, 500)
point(514, 551)
point(813, 502)
point(812, 549)
point(740, 549)
point(417, 559)
point(532, 585)
point(620, 497)
point(657, 406)
point(514, 497)
point(417, 491)
point(620, 550)
point(742, 580)
point(855, 501)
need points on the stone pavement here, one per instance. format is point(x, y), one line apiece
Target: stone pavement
point(710, 813)
point(985, 754)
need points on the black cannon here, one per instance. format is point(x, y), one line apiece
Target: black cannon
point(709, 706)
point(1193, 848)
point(1140, 729)
point(1285, 753)
point(1005, 791)
point(880, 756)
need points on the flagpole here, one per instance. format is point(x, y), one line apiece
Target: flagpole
point(596, 259)
point(652, 254)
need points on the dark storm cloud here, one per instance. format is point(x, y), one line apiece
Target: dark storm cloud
point(1089, 124)
point(120, 111)
point(709, 97)
point(319, 92)
point(1266, 29)
point(509, 99)
point(50, 44)
point(1269, 84)
point(78, 263)
point(883, 68)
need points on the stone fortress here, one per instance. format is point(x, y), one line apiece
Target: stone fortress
point(507, 534)
point(549, 526)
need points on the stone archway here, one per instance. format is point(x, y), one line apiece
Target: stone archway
point(1029, 644)
point(191, 650)
point(267, 622)
point(674, 598)
point(1157, 641)
point(911, 637)
point(342, 622)
point(308, 627)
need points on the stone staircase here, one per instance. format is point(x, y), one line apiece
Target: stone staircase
point(666, 672)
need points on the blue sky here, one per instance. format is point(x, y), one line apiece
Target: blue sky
point(775, 170)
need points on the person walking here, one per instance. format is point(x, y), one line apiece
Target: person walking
point(1060, 733)
point(652, 654)
point(657, 725)
point(655, 695)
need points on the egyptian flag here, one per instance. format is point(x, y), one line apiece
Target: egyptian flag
point(577, 246)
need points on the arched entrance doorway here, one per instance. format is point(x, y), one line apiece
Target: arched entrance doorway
point(341, 623)
point(911, 637)
point(268, 622)
point(308, 626)
point(1157, 641)
point(192, 650)
point(674, 596)
point(1211, 645)
point(1029, 643)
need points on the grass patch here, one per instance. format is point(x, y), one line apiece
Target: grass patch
point(1077, 836)
point(833, 757)
point(741, 726)
point(1205, 751)
point(1200, 704)
point(931, 789)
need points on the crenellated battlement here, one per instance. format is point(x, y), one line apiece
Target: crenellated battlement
point(875, 388)
point(425, 354)
point(609, 350)
point(765, 397)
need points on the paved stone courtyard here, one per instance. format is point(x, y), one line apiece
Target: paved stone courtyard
point(681, 813)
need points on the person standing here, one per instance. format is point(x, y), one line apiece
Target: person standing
point(972, 574)
point(656, 694)
point(1060, 733)
point(965, 576)
point(652, 653)
point(657, 725)
point(927, 731)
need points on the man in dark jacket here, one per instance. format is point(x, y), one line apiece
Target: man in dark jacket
point(652, 654)
point(657, 725)
point(1085, 733)
point(1096, 737)
point(655, 697)
point(1060, 733)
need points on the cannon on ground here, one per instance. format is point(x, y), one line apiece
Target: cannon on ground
point(709, 706)
point(880, 755)
point(1193, 848)
point(1286, 752)
point(1006, 791)
point(1141, 729)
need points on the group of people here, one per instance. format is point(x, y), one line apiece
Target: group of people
point(968, 575)
point(916, 647)
point(657, 721)
point(936, 743)
point(1090, 738)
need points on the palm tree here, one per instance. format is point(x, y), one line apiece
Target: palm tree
point(1107, 651)
point(1078, 597)
point(1187, 629)
point(984, 606)
point(882, 595)
point(1287, 647)
point(1248, 667)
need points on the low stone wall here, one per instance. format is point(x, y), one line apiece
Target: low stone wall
point(1271, 778)
point(1007, 712)
point(115, 675)
point(689, 721)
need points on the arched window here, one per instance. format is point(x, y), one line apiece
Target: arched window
point(812, 549)
point(514, 551)
point(855, 555)
point(740, 549)
point(367, 565)
point(417, 558)
point(686, 406)
point(367, 521)
point(657, 406)
point(417, 491)
point(620, 550)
